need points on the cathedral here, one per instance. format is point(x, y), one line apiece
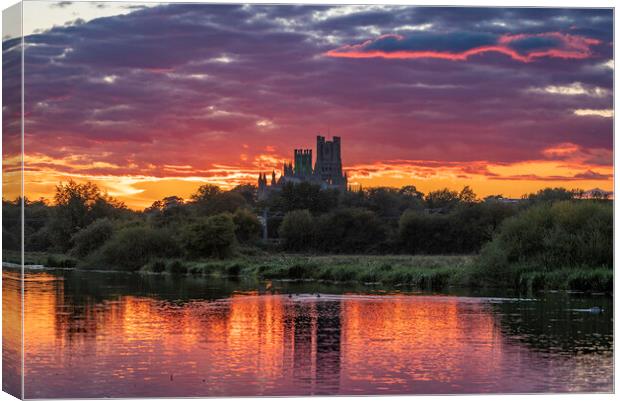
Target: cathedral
point(327, 171)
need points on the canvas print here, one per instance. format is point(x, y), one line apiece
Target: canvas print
point(218, 200)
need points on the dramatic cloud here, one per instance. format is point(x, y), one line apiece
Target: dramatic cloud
point(156, 101)
point(460, 46)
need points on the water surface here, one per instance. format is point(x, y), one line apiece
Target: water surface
point(92, 334)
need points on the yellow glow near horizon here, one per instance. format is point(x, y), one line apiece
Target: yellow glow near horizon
point(509, 180)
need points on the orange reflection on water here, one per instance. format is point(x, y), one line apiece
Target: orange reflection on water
point(262, 344)
point(434, 339)
point(11, 332)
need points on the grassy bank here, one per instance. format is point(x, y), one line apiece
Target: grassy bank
point(39, 258)
point(420, 271)
point(427, 272)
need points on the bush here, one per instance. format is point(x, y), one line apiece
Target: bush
point(297, 230)
point(222, 203)
point(60, 261)
point(38, 241)
point(421, 232)
point(349, 230)
point(177, 267)
point(133, 247)
point(591, 280)
point(564, 234)
point(463, 230)
point(551, 195)
point(210, 237)
point(247, 226)
point(233, 269)
point(92, 237)
point(157, 266)
point(548, 237)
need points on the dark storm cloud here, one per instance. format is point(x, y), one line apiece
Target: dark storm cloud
point(216, 76)
point(453, 41)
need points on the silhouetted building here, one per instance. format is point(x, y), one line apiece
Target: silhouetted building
point(327, 171)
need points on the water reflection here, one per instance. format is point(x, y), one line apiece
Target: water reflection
point(91, 335)
point(11, 333)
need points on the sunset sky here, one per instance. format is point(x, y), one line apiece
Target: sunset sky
point(155, 101)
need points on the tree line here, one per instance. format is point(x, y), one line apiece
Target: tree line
point(97, 229)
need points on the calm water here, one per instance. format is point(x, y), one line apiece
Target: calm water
point(110, 335)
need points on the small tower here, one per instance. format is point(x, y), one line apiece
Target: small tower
point(262, 180)
point(273, 178)
point(263, 190)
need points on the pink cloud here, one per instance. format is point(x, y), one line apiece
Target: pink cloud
point(568, 47)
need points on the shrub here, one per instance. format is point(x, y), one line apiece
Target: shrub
point(551, 195)
point(223, 202)
point(210, 237)
point(350, 230)
point(591, 280)
point(247, 226)
point(39, 241)
point(133, 247)
point(297, 230)
point(464, 229)
point(563, 234)
point(233, 269)
point(92, 237)
point(421, 232)
point(157, 266)
point(177, 267)
point(548, 237)
point(60, 261)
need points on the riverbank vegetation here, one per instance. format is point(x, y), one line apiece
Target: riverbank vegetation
point(553, 239)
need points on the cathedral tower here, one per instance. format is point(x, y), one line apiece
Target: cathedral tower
point(328, 166)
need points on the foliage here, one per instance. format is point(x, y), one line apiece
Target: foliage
point(210, 237)
point(551, 239)
point(92, 237)
point(297, 230)
point(247, 226)
point(551, 236)
point(176, 267)
point(348, 230)
point(552, 195)
point(467, 195)
point(133, 247)
point(421, 232)
point(389, 203)
point(205, 193)
point(462, 230)
point(210, 199)
point(76, 206)
point(226, 202)
point(442, 199)
point(563, 234)
point(304, 196)
point(168, 212)
point(248, 191)
point(60, 261)
point(417, 271)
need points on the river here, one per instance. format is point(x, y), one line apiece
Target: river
point(97, 334)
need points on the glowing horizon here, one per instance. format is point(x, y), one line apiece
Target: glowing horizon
point(140, 191)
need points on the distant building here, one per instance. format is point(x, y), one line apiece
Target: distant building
point(327, 171)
